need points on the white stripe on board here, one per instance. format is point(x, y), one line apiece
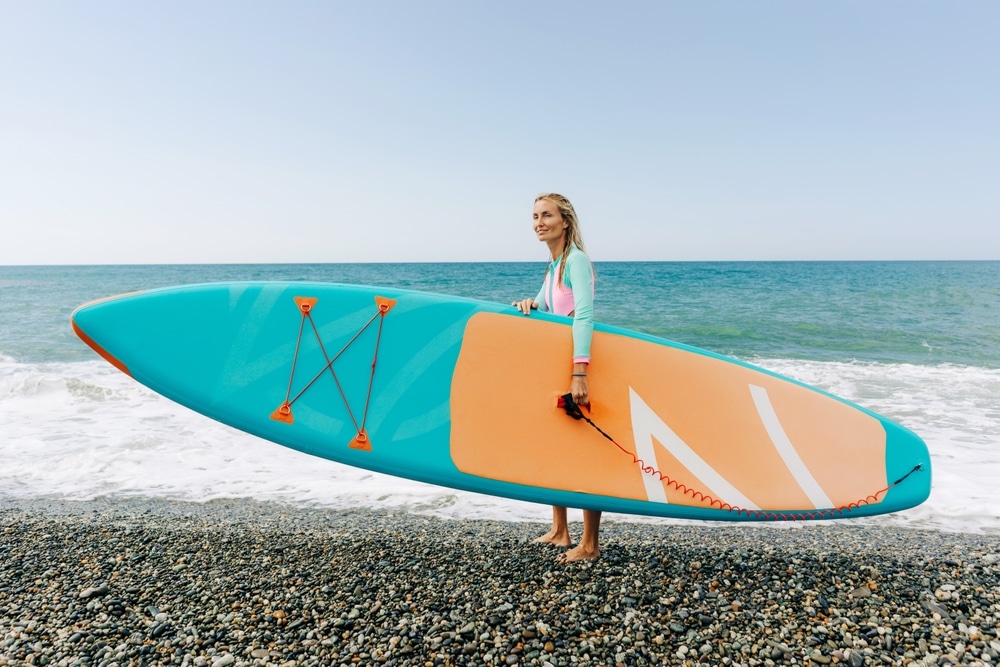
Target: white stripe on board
point(786, 449)
point(646, 425)
point(642, 419)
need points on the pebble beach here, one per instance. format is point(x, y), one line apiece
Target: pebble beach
point(153, 582)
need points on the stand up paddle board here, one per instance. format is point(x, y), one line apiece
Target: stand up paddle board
point(466, 394)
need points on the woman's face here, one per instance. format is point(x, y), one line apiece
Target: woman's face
point(547, 221)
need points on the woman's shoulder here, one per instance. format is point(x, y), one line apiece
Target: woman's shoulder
point(577, 256)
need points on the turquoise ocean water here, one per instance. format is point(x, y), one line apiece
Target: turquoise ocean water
point(916, 341)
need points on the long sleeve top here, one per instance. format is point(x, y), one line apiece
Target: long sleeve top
point(573, 294)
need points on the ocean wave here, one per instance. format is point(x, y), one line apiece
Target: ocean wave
point(55, 381)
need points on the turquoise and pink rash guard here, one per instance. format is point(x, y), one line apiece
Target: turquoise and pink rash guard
point(574, 294)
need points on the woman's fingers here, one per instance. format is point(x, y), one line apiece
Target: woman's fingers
point(581, 393)
point(524, 305)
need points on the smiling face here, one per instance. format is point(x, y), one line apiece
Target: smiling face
point(549, 224)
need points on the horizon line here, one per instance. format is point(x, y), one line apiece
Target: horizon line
point(538, 261)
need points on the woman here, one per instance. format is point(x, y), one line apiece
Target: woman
point(568, 289)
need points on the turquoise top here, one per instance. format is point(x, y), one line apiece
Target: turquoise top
point(575, 294)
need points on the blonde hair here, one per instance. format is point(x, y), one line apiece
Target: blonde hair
point(573, 235)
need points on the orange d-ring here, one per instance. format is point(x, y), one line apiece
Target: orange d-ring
point(305, 303)
point(384, 304)
point(361, 441)
point(283, 413)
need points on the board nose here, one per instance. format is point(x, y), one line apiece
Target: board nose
point(79, 321)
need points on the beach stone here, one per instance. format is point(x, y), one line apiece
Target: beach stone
point(935, 608)
point(94, 592)
point(780, 648)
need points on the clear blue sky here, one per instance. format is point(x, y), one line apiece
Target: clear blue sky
point(324, 131)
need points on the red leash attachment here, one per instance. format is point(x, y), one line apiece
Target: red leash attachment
point(567, 403)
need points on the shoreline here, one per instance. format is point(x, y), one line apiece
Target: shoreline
point(237, 582)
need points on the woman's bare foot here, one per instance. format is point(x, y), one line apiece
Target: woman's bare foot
point(588, 548)
point(578, 553)
point(559, 535)
point(559, 538)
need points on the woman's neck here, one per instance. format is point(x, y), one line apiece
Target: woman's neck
point(557, 247)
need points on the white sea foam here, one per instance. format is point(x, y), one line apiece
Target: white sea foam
point(82, 430)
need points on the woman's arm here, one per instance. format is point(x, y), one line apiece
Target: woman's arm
point(580, 278)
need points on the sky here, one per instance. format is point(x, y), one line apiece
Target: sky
point(399, 131)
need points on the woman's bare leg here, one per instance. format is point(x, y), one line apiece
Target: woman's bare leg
point(559, 535)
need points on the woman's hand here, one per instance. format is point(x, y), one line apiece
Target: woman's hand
point(525, 305)
point(581, 392)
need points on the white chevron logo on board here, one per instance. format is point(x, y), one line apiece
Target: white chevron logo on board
point(648, 428)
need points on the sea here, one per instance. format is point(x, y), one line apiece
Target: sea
point(918, 342)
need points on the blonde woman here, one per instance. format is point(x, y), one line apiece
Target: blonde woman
point(568, 289)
